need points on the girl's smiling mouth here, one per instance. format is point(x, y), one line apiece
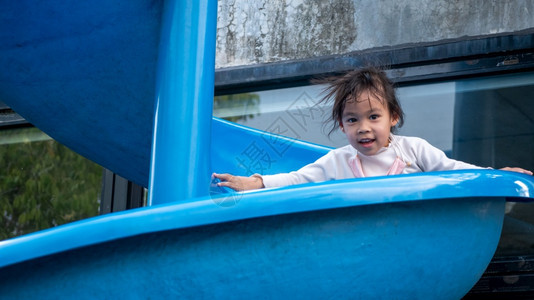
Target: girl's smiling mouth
point(366, 142)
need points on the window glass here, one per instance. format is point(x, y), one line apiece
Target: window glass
point(484, 121)
point(43, 183)
point(293, 112)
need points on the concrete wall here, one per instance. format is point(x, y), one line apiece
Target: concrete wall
point(263, 31)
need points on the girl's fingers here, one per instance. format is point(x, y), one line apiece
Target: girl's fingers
point(225, 177)
point(519, 170)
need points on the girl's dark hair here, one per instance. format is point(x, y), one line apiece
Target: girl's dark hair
point(349, 86)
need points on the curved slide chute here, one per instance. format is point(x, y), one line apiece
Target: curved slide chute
point(88, 74)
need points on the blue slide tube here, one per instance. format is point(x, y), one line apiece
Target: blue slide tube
point(180, 164)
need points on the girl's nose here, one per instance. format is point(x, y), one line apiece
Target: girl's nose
point(363, 128)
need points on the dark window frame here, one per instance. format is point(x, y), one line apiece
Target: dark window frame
point(118, 193)
point(408, 64)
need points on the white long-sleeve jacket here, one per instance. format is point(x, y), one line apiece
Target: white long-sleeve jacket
point(416, 153)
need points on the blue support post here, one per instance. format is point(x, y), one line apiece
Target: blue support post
point(180, 160)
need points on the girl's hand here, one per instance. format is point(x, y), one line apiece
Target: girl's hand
point(240, 183)
point(519, 170)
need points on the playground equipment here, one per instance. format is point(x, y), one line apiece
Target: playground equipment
point(129, 85)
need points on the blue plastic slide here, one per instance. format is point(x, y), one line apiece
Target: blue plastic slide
point(129, 85)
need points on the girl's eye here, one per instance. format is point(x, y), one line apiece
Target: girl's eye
point(374, 117)
point(351, 120)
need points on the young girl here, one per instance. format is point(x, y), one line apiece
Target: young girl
point(366, 109)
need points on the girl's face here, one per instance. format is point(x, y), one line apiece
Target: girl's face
point(367, 123)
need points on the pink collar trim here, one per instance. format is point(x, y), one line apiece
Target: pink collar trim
point(356, 166)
